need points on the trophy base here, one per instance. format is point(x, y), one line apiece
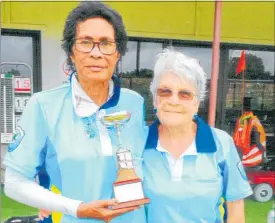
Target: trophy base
point(129, 193)
point(128, 204)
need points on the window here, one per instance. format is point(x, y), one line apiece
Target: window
point(204, 55)
point(148, 53)
point(256, 83)
point(23, 46)
point(128, 62)
point(20, 76)
point(17, 49)
point(147, 57)
point(127, 66)
point(136, 70)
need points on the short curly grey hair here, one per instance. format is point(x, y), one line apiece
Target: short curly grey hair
point(187, 68)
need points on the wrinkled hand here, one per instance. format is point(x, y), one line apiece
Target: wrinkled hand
point(97, 209)
point(43, 214)
point(100, 210)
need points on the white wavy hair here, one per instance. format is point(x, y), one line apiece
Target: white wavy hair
point(187, 68)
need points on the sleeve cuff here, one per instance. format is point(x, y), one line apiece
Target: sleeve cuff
point(239, 196)
point(72, 206)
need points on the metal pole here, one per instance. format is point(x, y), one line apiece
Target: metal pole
point(215, 65)
point(5, 108)
point(243, 92)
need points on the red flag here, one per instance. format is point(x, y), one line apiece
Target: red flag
point(241, 65)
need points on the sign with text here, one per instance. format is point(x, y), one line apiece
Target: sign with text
point(17, 118)
point(6, 138)
point(20, 103)
point(22, 85)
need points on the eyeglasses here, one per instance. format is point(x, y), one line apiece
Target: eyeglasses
point(86, 45)
point(183, 94)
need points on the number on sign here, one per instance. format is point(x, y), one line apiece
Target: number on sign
point(22, 85)
point(17, 102)
point(20, 103)
point(26, 101)
point(26, 83)
point(17, 81)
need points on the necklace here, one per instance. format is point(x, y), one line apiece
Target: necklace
point(90, 127)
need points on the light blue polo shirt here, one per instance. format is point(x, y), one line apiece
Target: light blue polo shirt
point(212, 172)
point(50, 134)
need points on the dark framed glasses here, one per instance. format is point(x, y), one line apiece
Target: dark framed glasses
point(182, 94)
point(87, 45)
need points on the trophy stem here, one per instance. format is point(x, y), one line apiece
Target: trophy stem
point(117, 126)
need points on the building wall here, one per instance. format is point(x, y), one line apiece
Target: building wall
point(195, 20)
point(242, 22)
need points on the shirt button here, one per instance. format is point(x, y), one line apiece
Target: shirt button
point(101, 113)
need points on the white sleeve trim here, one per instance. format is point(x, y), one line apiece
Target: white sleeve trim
point(26, 191)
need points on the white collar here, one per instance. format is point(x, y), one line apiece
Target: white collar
point(84, 106)
point(191, 150)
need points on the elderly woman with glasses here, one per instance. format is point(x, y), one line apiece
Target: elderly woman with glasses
point(188, 165)
point(61, 132)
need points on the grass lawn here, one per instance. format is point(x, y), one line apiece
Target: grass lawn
point(255, 212)
point(10, 208)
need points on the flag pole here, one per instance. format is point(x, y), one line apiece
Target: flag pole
point(215, 64)
point(243, 91)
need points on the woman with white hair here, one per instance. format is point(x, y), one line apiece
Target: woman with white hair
point(188, 165)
